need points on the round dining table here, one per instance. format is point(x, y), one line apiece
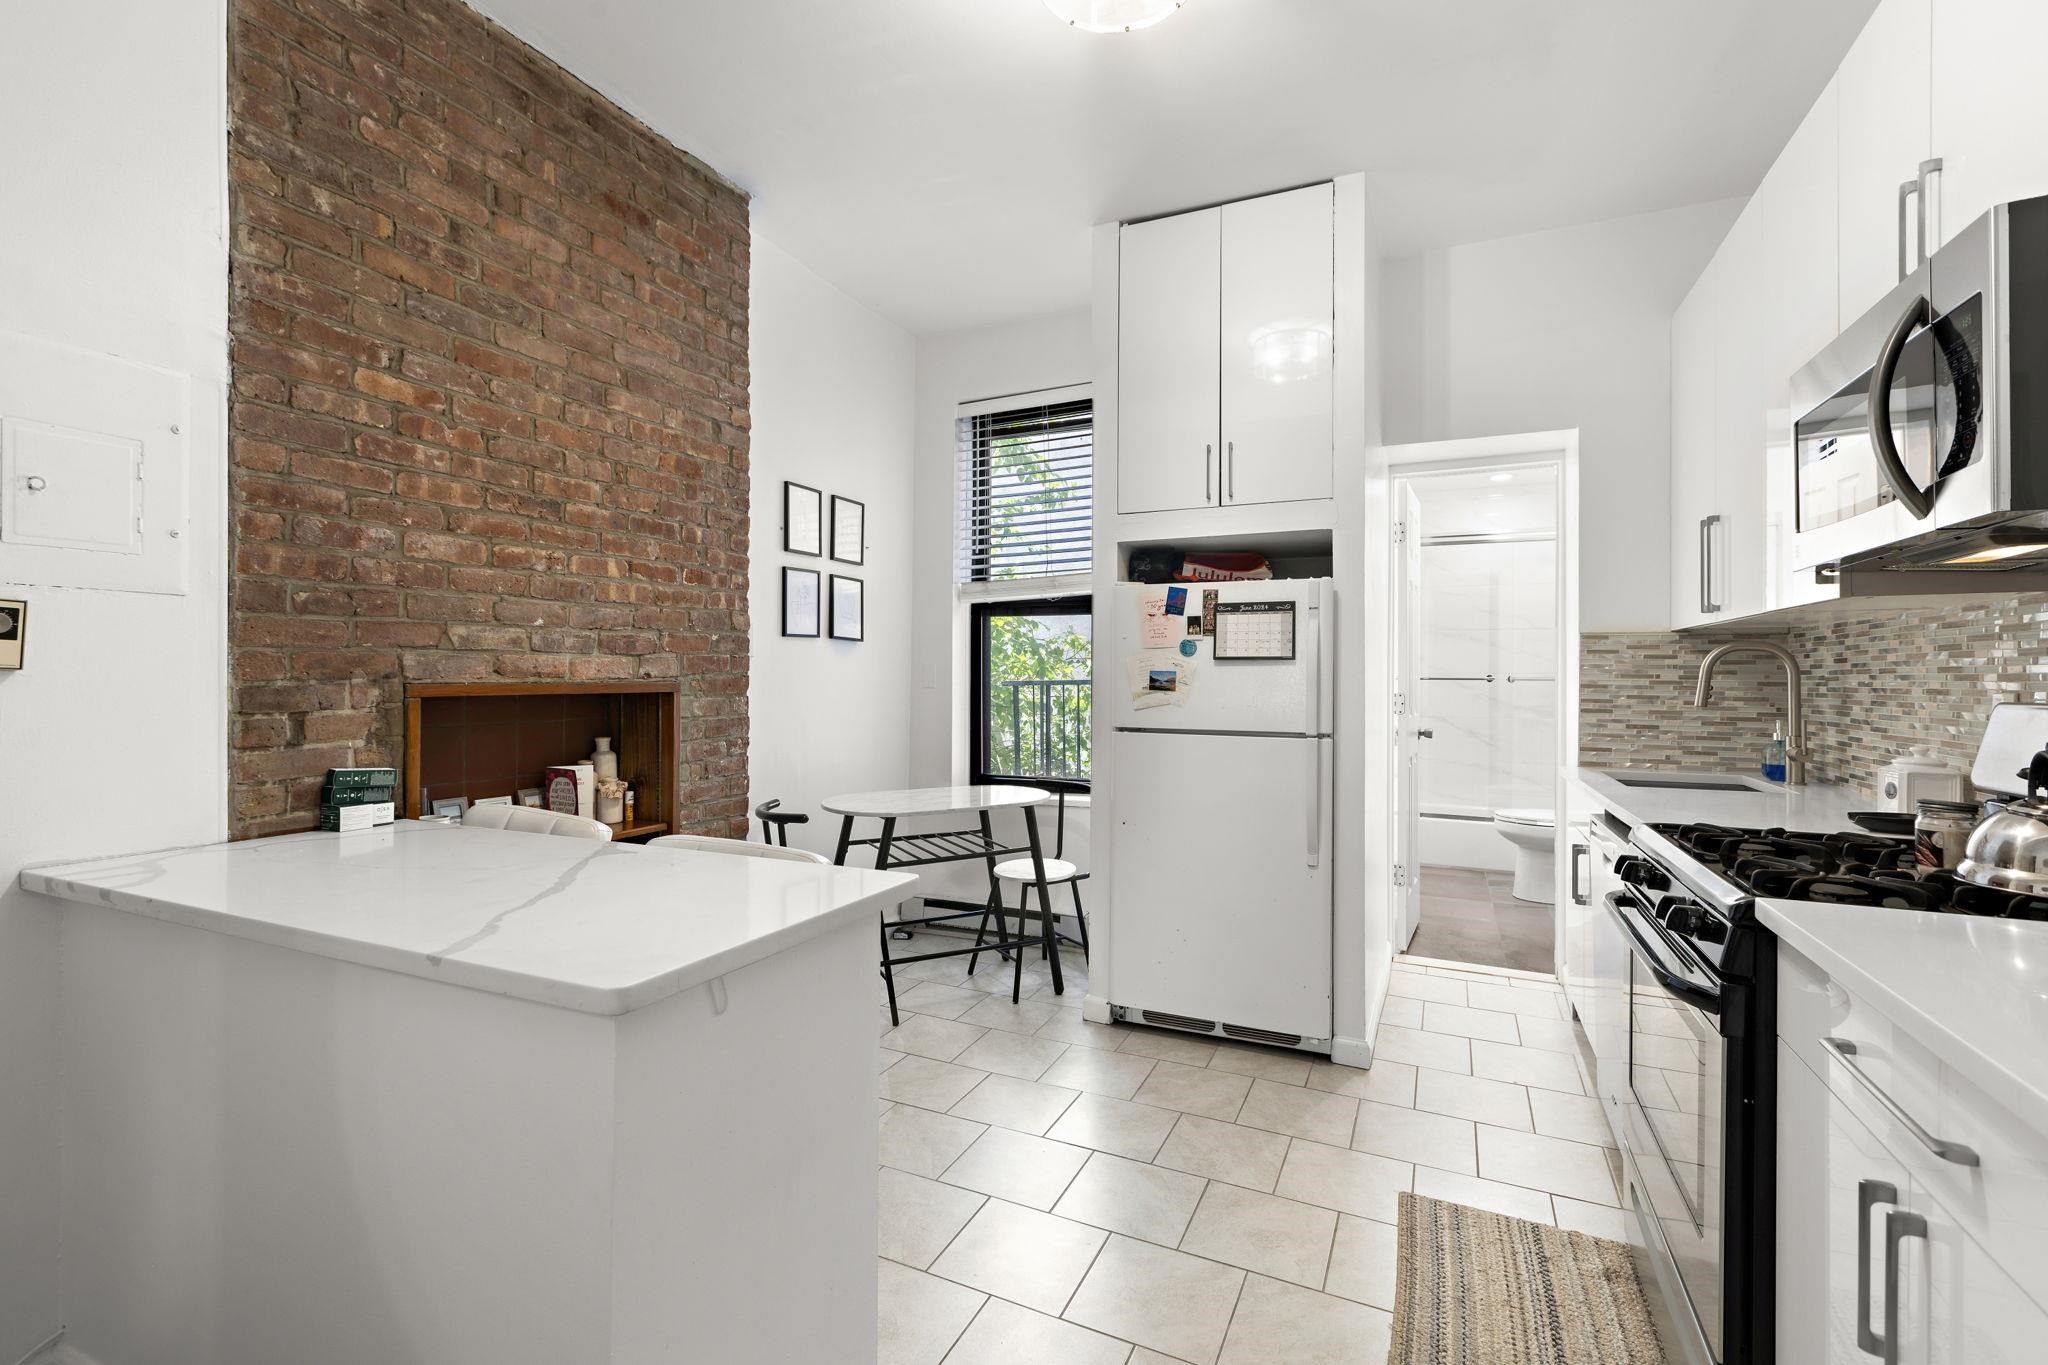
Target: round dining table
point(904, 850)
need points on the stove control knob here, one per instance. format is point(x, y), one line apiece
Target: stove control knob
point(1685, 919)
point(1641, 872)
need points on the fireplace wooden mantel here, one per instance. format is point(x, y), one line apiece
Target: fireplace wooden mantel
point(477, 740)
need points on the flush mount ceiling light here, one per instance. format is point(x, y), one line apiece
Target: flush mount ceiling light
point(1112, 16)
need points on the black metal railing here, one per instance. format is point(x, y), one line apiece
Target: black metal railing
point(1039, 727)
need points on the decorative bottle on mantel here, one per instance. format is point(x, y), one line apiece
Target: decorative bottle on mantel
point(604, 761)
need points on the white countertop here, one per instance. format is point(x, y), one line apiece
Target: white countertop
point(601, 928)
point(1973, 990)
point(1817, 808)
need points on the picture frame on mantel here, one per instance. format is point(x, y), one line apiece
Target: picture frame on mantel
point(849, 530)
point(847, 608)
point(800, 602)
point(803, 519)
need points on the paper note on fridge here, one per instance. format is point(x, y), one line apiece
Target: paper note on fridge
point(1158, 678)
point(1156, 629)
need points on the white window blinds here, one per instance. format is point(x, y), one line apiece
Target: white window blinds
point(1027, 484)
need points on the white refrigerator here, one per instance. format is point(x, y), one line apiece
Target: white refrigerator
point(1222, 765)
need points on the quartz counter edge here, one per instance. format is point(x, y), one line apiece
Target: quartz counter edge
point(598, 928)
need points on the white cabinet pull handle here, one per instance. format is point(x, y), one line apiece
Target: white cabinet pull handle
point(1941, 1147)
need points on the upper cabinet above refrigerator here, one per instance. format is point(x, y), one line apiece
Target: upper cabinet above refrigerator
point(1225, 342)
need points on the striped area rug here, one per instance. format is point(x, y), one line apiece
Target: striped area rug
point(1479, 1288)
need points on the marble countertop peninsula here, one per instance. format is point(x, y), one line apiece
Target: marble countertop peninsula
point(600, 928)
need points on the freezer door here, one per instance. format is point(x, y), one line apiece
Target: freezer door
point(1271, 696)
point(1222, 879)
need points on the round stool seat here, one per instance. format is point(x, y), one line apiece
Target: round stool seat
point(1019, 870)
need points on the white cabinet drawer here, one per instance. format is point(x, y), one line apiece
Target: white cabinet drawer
point(1915, 1103)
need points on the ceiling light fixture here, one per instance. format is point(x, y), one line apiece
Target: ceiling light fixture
point(1112, 16)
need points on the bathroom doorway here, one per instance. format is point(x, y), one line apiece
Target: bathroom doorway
point(1481, 623)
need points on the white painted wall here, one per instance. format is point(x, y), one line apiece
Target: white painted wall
point(113, 189)
point(832, 400)
point(1550, 331)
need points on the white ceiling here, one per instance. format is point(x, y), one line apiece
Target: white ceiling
point(943, 160)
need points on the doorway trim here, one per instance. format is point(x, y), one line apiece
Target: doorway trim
point(1400, 462)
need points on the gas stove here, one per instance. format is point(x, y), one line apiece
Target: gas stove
point(1840, 869)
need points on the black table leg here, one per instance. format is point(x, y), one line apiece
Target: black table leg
point(1052, 952)
point(845, 839)
point(895, 1020)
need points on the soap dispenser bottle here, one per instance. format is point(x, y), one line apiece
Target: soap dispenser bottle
point(1774, 754)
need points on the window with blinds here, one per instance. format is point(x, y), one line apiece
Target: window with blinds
point(1027, 491)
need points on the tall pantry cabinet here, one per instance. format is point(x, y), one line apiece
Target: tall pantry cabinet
point(1226, 325)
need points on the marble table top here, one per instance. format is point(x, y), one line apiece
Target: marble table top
point(934, 800)
point(601, 928)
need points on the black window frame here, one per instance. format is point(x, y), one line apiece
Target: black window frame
point(1064, 604)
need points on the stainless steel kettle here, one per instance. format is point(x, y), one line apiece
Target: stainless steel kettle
point(2009, 849)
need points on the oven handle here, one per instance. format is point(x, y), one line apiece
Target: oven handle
point(1699, 997)
point(1917, 500)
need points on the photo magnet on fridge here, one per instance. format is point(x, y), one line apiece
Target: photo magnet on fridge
point(1176, 601)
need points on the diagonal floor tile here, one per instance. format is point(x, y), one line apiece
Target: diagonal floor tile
point(1018, 1167)
point(1021, 1255)
point(1169, 1301)
point(937, 1001)
point(1249, 1157)
point(1526, 1066)
point(1289, 1068)
point(1542, 1004)
point(1147, 1202)
point(1284, 1324)
point(1581, 1118)
point(1550, 1035)
point(1012, 1054)
point(1512, 1200)
point(921, 1316)
point(1435, 1050)
point(1116, 1074)
point(922, 1142)
point(1298, 1112)
point(1500, 1103)
point(996, 1011)
point(928, 1084)
point(1004, 1334)
point(1193, 1090)
point(1027, 1106)
point(928, 1036)
point(1402, 1010)
point(1172, 1047)
point(1339, 1178)
point(1390, 1130)
point(918, 1216)
point(1068, 1026)
point(1264, 1233)
point(1115, 1126)
point(1576, 1170)
point(1363, 1262)
point(1494, 1025)
point(1415, 986)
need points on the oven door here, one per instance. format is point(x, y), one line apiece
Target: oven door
point(1676, 1066)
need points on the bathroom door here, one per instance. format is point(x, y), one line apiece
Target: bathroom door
point(1411, 728)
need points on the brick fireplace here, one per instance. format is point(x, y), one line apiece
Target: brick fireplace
point(489, 397)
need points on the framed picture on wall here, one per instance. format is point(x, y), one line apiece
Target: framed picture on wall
point(800, 602)
point(846, 623)
point(803, 519)
point(849, 530)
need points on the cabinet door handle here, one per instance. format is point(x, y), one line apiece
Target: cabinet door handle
point(1869, 1194)
point(1899, 1224)
point(1579, 854)
point(1708, 606)
point(1230, 454)
point(1928, 208)
point(1845, 1051)
point(1907, 189)
point(1207, 452)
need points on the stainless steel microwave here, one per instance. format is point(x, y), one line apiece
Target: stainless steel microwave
point(1918, 435)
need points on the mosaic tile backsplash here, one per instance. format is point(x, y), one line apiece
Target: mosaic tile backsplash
point(1876, 682)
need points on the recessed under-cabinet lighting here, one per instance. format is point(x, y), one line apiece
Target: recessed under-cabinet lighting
point(1112, 16)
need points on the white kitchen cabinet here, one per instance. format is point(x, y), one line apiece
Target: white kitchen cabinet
point(1800, 314)
point(1885, 132)
point(1693, 356)
point(1608, 989)
point(1974, 1313)
point(1278, 326)
point(1736, 553)
point(1168, 385)
point(1836, 1183)
point(1990, 107)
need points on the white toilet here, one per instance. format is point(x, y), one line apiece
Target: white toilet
point(1533, 833)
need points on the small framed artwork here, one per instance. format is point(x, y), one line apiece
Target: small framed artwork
point(849, 530)
point(13, 632)
point(846, 605)
point(451, 808)
point(529, 796)
point(800, 602)
point(803, 519)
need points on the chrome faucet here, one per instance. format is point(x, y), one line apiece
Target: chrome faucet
point(1795, 724)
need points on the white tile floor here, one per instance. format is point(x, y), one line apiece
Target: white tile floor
point(1056, 1192)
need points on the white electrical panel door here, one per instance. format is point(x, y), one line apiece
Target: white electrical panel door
point(92, 469)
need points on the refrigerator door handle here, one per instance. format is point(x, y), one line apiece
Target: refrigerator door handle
point(1315, 803)
point(1312, 724)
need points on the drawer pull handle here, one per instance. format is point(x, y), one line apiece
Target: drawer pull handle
point(1947, 1151)
point(1868, 1194)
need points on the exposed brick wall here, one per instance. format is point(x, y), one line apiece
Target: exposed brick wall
point(489, 395)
